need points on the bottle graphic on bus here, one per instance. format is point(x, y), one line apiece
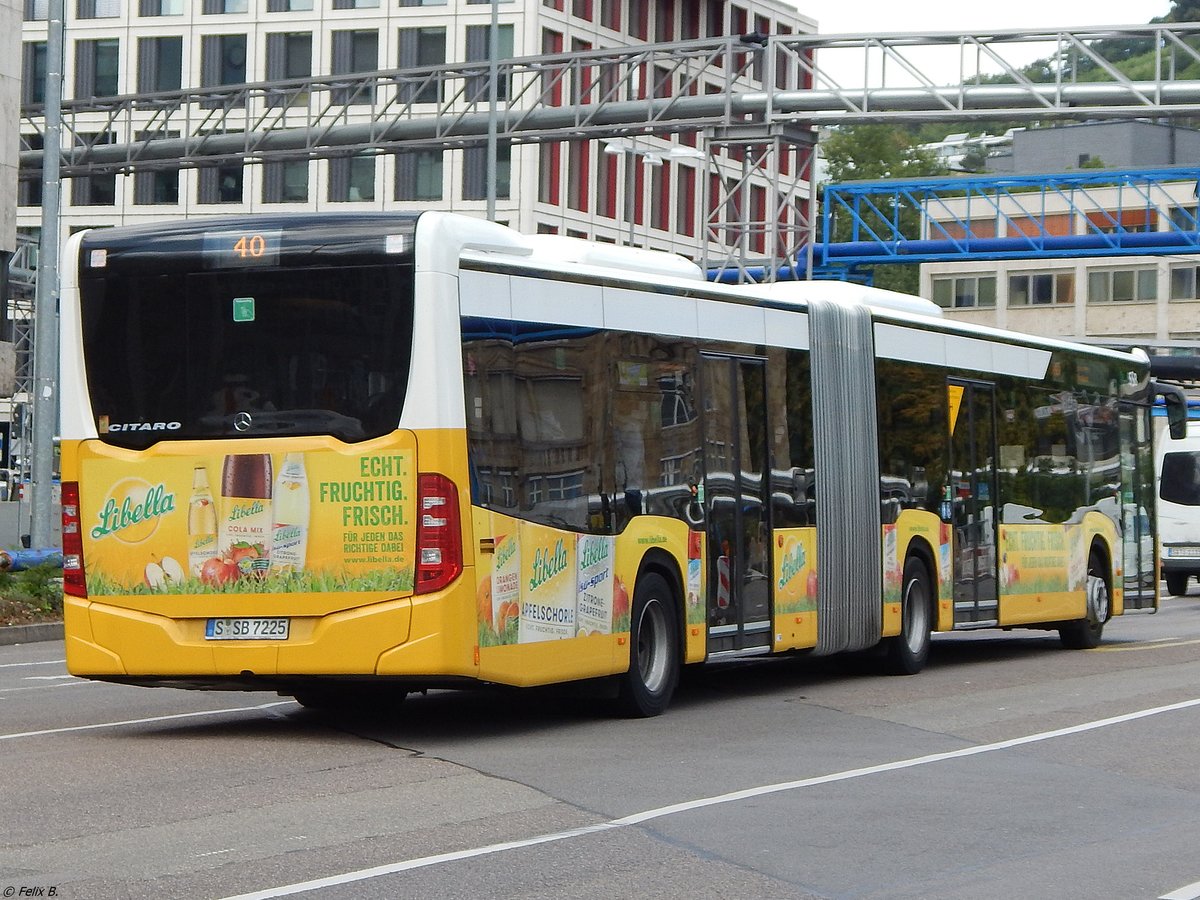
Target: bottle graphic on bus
point(246, 518)
point(202, 523)
point(291, 501)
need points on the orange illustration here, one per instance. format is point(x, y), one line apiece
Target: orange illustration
point(483, 600)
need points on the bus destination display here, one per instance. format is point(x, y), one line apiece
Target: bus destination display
point(233, 249)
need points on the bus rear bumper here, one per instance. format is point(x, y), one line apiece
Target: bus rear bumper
point(104, 640)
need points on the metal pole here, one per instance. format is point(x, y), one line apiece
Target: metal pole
point(45, 317)
point(810, 250)
point(631, 161)
point(493, 97)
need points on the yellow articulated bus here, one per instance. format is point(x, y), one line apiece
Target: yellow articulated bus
point(359, 455)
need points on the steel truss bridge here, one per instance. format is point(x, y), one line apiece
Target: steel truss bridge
point(756, 100)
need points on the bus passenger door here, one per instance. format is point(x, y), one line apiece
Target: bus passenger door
point(1137, 499)
point(735, 466)
point(973, 487)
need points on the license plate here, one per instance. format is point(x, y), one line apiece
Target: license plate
point(1188, 552)
point(246, 629)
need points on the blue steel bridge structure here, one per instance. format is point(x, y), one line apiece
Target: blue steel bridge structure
point(1141, 212)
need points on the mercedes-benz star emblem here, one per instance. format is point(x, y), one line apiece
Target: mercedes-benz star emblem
point(242, 421)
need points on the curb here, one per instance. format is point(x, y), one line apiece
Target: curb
point(29, 634)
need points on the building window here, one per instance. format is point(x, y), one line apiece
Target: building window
point(579, 170)
point(423, 2)
point(155, 188)
point(219, 7)
point(549, 170)
point(160, 64)
point(475, 172)
point(355, 51)
point(685, 201)
point(610, 14)
point(478, 38)
point(1183, 218)
point(289, 5)
point(421, 47)
point(285, 182)
point(221, 184)
point(1122, 285)
point(97, 9)
point(1039, 288)
point(288, 56)
point(37, 10)
point(714, 21)
point(355, 4)
point(33, 72)
point(222, 62)
point(606, 185)
point(29, 190)
point(351, 179)
point(97, 65)
point(160, 7)
point(582, 9)
point(94, 190)
point(419, 175)
point(1183, 282)
point(965, 291)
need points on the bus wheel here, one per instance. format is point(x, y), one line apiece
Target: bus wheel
point(1084, 634)
point(646, 689)
point(1177, 584)
point(908, 651)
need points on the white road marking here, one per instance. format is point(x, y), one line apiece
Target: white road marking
point(45, 662)
point(46, 677)
point(1191, 892)
point(689, 805)
point(46, 687)
point(191, 715)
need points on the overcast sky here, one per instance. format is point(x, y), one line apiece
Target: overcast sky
point(897, 15)
point(891, 16)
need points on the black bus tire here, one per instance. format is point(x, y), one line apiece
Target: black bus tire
point(908, 651)
point(646, 688)
point(1085, 633)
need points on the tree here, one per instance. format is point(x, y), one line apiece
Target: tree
point(864, 152)
point(974, 160)
point(869, 152)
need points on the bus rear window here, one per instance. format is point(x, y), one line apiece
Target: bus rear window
point(243, 353)
point(1181, 478)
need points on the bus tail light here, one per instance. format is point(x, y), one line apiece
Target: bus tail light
point(74, 583)
point(439, 533)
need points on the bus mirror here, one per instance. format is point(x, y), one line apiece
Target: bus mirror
point(1176, 403)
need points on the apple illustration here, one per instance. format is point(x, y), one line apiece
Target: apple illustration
point(218, 571)
point(620, 599)
point(162, 573)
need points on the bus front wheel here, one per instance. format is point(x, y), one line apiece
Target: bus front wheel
point(1084, 634)
point(909, 650)
point(646, 688)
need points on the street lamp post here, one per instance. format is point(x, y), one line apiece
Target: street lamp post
point(45, 313)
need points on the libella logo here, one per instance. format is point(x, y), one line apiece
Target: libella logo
point(792, 562)
point(132, 510)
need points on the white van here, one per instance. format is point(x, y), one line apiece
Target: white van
point(1177, 468)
